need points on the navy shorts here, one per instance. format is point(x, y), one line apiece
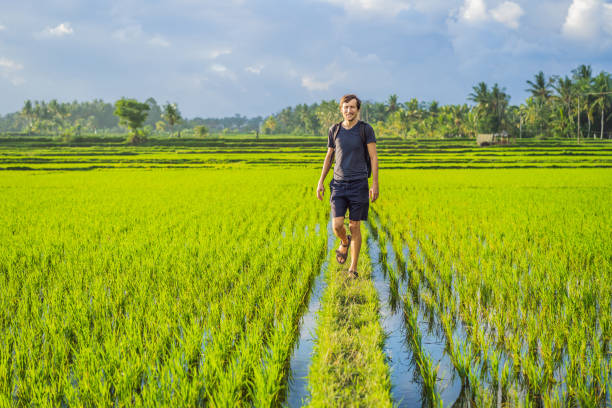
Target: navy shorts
point(352, 195)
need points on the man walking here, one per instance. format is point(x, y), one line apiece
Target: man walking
point(353, 143)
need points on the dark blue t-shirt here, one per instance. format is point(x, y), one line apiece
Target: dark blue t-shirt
point(349, 151)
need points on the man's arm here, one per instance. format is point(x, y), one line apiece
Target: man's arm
point(326, 167)
point(374, 161)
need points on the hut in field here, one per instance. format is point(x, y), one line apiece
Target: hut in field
point(488, 139)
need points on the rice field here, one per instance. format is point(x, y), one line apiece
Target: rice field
point(178, 274)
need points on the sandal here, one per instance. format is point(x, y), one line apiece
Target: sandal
point(341, 257)
point(353, 274)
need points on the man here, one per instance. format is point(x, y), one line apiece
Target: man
point(349, 186)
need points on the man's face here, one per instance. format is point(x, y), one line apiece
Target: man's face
point(349, 110)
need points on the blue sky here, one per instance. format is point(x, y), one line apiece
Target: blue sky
point(218, 58)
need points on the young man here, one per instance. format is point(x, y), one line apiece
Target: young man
point(349, 186)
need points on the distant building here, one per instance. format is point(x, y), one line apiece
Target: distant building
point(487, 139)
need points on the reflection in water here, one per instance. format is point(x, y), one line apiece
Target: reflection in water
point(407, 390)
point(390, 283)
point(300, 360)
point(404, 375)
point(464, 400)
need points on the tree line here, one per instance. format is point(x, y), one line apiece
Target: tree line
point(99, 118)
point(572, 106)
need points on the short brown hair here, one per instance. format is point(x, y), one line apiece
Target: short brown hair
point(350, 97)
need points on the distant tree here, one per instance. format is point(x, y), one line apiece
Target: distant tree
point(498, 105)
point(132, 115)
point(327, 113)
point(602, 85)
point(566, 91)
point(434, 107)
point(160, 126)
point(172, 116)
point(392, 105)
point(491, 107)
point(584, 82)
point(58, 114)
point(201, 131)
point(155, 112)
point(28, 113)
point(541, 88)
point(269, 125)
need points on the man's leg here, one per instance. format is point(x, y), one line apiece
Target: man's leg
point(355, 227)
point(340, 232)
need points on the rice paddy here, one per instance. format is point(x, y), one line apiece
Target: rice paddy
point(178, 274)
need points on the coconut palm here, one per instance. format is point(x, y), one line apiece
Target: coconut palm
point(172, 116)
point(566, 91)
point(480, 95)
point(392, 104)
point(499, 103)
point(541, 90)
point(28, 113)
point(602, 86)
point(492, 105)
point(584, 81)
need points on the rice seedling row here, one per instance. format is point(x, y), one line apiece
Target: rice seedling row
point(349, 366)
point(517, 270)
point(134, 288)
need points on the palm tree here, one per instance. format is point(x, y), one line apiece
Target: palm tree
point(480, 95)
point(583, 77)
point(171, 115)
point(602, 86)
point(492, 105)
point(531, 112)
point(28, 113)
point(565, 92)
point(392, 103)
point(499, 102)
point(541, 90)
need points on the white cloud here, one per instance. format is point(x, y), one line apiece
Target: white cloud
point(134, 34)
point(159, 41)
point(586, 19)
point(508, 13)
point(312, 84)
point(223, 71)
point(9, 69)
point(2, 28)
point(59, 31)
point(254, 69)
point(218, 68)
point(209, 53)
point(213, 54)
point(381, 7)
point(9, 65)
point(474, 11)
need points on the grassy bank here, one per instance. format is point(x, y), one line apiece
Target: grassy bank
point(349, 367)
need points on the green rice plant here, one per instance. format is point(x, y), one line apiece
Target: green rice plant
point(349, 366)
point(152, 288)
point(521, 264)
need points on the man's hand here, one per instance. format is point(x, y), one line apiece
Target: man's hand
point(320, 191)
point(374, 191)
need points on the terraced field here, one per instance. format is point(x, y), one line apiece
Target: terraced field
point(179, 273)
point(46, 154)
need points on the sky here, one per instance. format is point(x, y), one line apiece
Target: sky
point(221, 58)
